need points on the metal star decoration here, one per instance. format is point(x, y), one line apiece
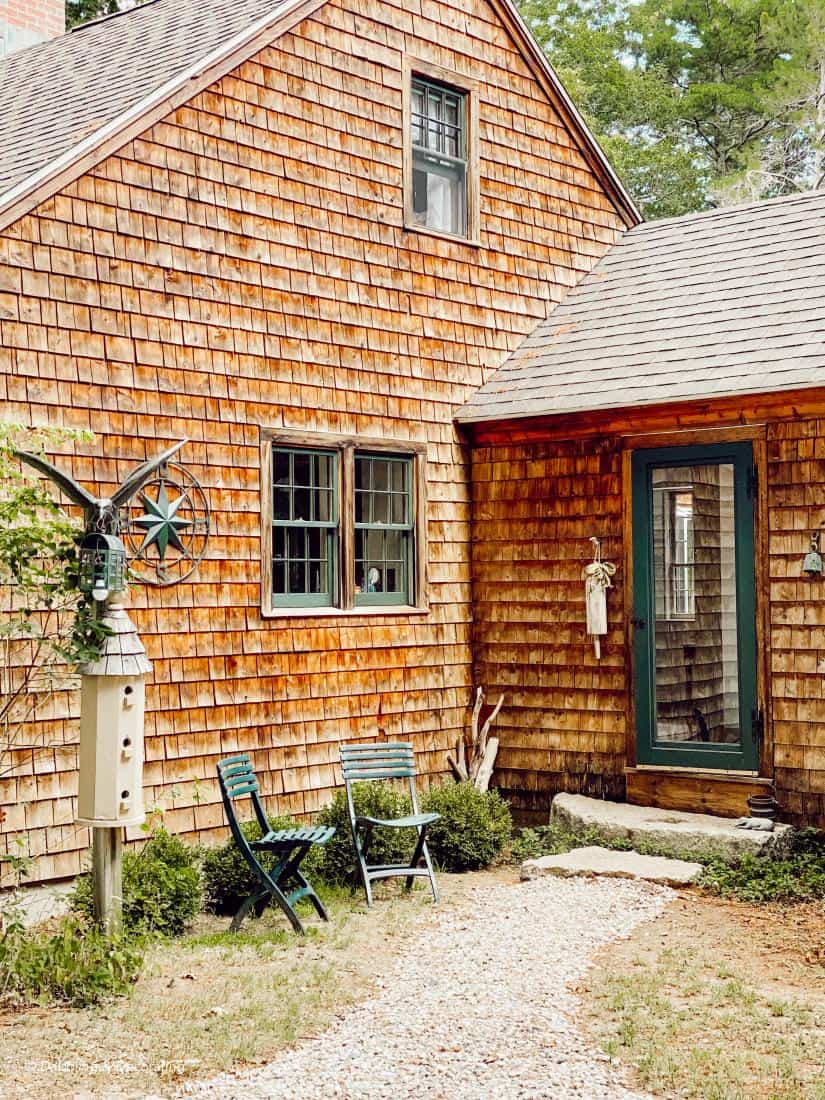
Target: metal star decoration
point(161, 522)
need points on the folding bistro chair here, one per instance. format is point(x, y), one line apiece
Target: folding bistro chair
point(386, 761)
point(237, 778)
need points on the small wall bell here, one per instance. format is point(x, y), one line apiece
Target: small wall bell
point(812, 565)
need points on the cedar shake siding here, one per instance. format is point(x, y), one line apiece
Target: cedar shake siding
point(568, 720)
point(240, 266)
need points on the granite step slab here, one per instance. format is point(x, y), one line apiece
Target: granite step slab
point(606, 863)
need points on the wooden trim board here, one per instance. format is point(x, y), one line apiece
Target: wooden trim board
point(703, 792)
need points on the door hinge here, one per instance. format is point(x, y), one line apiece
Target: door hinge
point(757, 726)
point(753, 483)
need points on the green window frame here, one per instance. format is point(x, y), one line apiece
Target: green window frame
point(305, 528)
point(384, 546)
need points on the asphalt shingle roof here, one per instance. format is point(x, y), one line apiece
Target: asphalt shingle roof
point(719, 304)
point(55, 94)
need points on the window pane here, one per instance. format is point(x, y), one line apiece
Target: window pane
point(296, 542)
point(280, 467)
point(301, 469)
point(380, 473)
point(300, 501)
point(282, 504)
point(297, 576)
point(323, 471)
point(399, 508)
point(440, 194)
point(324, 513)
point(380, 508)
point(362, 473)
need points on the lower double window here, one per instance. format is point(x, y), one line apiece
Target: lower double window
point(342, 525)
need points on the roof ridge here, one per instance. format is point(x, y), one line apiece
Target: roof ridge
point(723, 211)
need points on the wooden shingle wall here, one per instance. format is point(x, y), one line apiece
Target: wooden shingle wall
point(564, 721)
point(243, 265)
point(796, 502)
point(566, 717)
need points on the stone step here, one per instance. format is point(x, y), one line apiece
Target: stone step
point(666, 832)
point(610, 864)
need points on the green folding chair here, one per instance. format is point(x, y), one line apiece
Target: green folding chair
point(387, 761)
point(285, 884)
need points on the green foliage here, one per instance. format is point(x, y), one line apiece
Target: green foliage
point(473, 829)
point(696, 101)
point(228, 879)
point(800, 876)
point(76, 964)
point(162, 890)
point(335, 862)
point(81, 11)
point(46, 626)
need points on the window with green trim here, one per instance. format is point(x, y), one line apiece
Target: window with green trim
point(304, 527)
point(438, 121)
point(384, 529)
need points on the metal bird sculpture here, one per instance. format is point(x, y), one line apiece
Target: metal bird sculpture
point(102, 513)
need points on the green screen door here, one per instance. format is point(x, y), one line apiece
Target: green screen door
point(694, 607)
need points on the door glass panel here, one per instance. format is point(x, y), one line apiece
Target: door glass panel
point(694, 597)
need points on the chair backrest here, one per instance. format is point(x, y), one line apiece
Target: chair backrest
point(383, 760)
point(236, 777)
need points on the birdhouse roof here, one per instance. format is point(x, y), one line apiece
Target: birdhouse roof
point(122, 653)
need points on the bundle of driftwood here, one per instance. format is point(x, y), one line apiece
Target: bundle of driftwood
point(474, 763)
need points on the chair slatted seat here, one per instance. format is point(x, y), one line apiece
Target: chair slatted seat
point(285, 884)
point(385, 762)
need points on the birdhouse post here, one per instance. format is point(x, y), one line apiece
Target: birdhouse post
point(111, 754)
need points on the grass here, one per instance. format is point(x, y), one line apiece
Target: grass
point(210, 1000)
point(716, 1015)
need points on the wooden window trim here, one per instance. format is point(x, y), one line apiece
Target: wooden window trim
point(346, 446)
point(410, 68)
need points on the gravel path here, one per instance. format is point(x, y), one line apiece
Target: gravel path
point(477, 1007)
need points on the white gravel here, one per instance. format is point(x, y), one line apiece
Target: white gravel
point(478, 1006)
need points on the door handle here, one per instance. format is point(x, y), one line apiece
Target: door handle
point(639, 624)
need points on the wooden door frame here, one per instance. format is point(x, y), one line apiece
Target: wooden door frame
point(757, 435)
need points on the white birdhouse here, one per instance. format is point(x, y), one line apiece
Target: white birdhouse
point(111, 727)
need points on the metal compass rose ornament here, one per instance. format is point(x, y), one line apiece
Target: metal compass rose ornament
point(160, 512)
point(166, 526)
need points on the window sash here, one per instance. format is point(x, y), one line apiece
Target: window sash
point(429, 126)
point(316, 492)
point(393, 490)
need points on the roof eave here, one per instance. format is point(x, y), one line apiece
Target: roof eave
point(113, 135)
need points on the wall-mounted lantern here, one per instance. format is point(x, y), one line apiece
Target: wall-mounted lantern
point(102, 565)
point(812, 565)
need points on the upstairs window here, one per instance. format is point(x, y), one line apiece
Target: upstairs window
point(438, 119)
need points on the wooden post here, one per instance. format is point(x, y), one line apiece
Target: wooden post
point(107, 877)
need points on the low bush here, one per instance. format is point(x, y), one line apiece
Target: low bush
point(798, 876)
point(162, 890)
point(77, 964)
point(555, 839)
point(335, 862)
point(228, 879)
point(473, 829)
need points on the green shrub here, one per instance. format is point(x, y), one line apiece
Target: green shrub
point(228, 879)
point(799, 876)
point(554, 839)
point(162, 889)
point(335, 862)
point(474, 827)
point(77, 964)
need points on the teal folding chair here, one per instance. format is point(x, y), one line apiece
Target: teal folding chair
point(387, 761)
point(285, 884)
